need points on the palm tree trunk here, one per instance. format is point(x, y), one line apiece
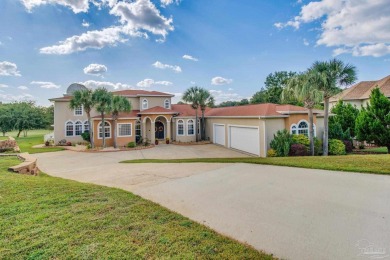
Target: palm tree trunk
point(311, 129)
point(203, 135)
point(90, 129)
point(103, 131)
point(326, 126)
point(115, 145)
point(196, 124)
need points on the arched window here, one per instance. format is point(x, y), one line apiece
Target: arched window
point(293, 129)
point(190, 127)
point(107, 130)
point(180, 127)
point(69, 128)
point(86, 126)
point(78, 129)
point(303, 128)
point(167, 104)
point(145, 104)
point(138, 131)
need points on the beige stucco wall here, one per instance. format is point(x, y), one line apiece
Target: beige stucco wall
point(273, 125)
point(185, 137)
point(121, 141)
point(152, 102)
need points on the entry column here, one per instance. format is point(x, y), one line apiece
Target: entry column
point(143, 130)
point(152, 132)
point(169, 130)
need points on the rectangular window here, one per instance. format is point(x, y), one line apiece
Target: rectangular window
point(69, 129)
point(78, 111)
point(124, 129)
point(191, 130)
point(78, 129)
point(180, 127)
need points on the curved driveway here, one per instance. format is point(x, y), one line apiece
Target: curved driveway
point(290, 212)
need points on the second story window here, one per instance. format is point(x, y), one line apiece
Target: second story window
point(145, 104)
point(78, 111)
point(167, 104)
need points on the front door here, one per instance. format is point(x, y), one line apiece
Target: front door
point(159, 130)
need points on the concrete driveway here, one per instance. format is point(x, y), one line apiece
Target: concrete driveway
point(290, 212)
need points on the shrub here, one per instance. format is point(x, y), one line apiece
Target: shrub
point(86, 136)
point(131, 145)
point(317, 146)
point(348, 146)
point(301, 139)
point(298, 150)
point(282, 142)
point(361, 146)
point(68, 143)
point(336, 147)
point(271, 153)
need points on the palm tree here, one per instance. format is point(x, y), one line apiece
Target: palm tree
point(302, 88)
point(118, 104)
point(191, 95)
point(102, 99)
point(329, 76)
point(205, 100)
point(84, 98)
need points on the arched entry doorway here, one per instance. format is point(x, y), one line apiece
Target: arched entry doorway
point(159, 130)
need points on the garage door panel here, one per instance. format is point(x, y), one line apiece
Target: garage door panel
point(245, 139)
point(219, 134)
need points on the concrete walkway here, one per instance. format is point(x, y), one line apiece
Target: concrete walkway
point(290, 212)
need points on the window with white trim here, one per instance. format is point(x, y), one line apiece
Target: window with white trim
point(138, 128)
point(107, 130)
point(78, 111)
point(293, 129)
point(145, 104)
point(69, 128)
point(167, 104)
point(78, 128)
point(190, 127)
point(124, 130)
point(86, 126)
point(303, 128)
point(180, 127)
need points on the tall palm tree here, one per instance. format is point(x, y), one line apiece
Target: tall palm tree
point(102, 99)
point(302, 88)
point(84, 98)
point(118, 104)
point(191, 95)
point(205, 100)
point(329, 76)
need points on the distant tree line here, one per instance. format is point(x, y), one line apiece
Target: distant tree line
point(23, 116)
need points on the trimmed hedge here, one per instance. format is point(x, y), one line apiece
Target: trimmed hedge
point(298, 150)
point(336, 147)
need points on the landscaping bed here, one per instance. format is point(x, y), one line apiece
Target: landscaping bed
point(43, 217)
point(192, 143)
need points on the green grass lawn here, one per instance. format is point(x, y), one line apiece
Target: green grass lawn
point(51, 218)
point(3, 138)
point(34, 137)
point(377, 150)
point(379, 164)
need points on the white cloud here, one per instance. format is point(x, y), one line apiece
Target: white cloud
point(8, 69)
point(95, 69)
point(146, 83)
point(165, 3)
point(189, 57)
point(220, 81)
point(160, 65)
point(85, 24)
point(137, 19)
point(306, 42)
point(351, 26)
point(45, 84)
point(176, 98)
point(98, 84)
point(4, 86)
point(77, 6)
point(23, 88)
point(221, 96)
point(11, 98)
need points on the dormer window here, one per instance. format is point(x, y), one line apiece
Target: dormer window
point(167, 104)
point(78, 111)
point(145, 104)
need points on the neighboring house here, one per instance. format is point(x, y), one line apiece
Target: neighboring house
point(248, 128)
point(359, 94)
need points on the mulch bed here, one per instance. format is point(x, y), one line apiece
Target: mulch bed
point(121, 149)
point(192, 143)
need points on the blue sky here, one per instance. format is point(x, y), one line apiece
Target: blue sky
point(230, 46)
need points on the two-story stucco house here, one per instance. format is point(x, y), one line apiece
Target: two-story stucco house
point(248, 128)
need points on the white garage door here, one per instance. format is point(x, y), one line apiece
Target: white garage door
point(245, 139)
point(219, 134)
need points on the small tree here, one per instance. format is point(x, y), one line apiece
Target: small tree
point(345, 116)
point(6, 120)
point(192, 96)
point(282, 142)
point(102, 98)
point(373, 122)
point(205, 100)
point(118, 104)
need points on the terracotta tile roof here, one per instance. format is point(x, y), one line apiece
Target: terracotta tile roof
point(362, 90)
point(136, 92)
point(186, 110)
point(157, 110)
point(256, 110)
point(132, 113)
